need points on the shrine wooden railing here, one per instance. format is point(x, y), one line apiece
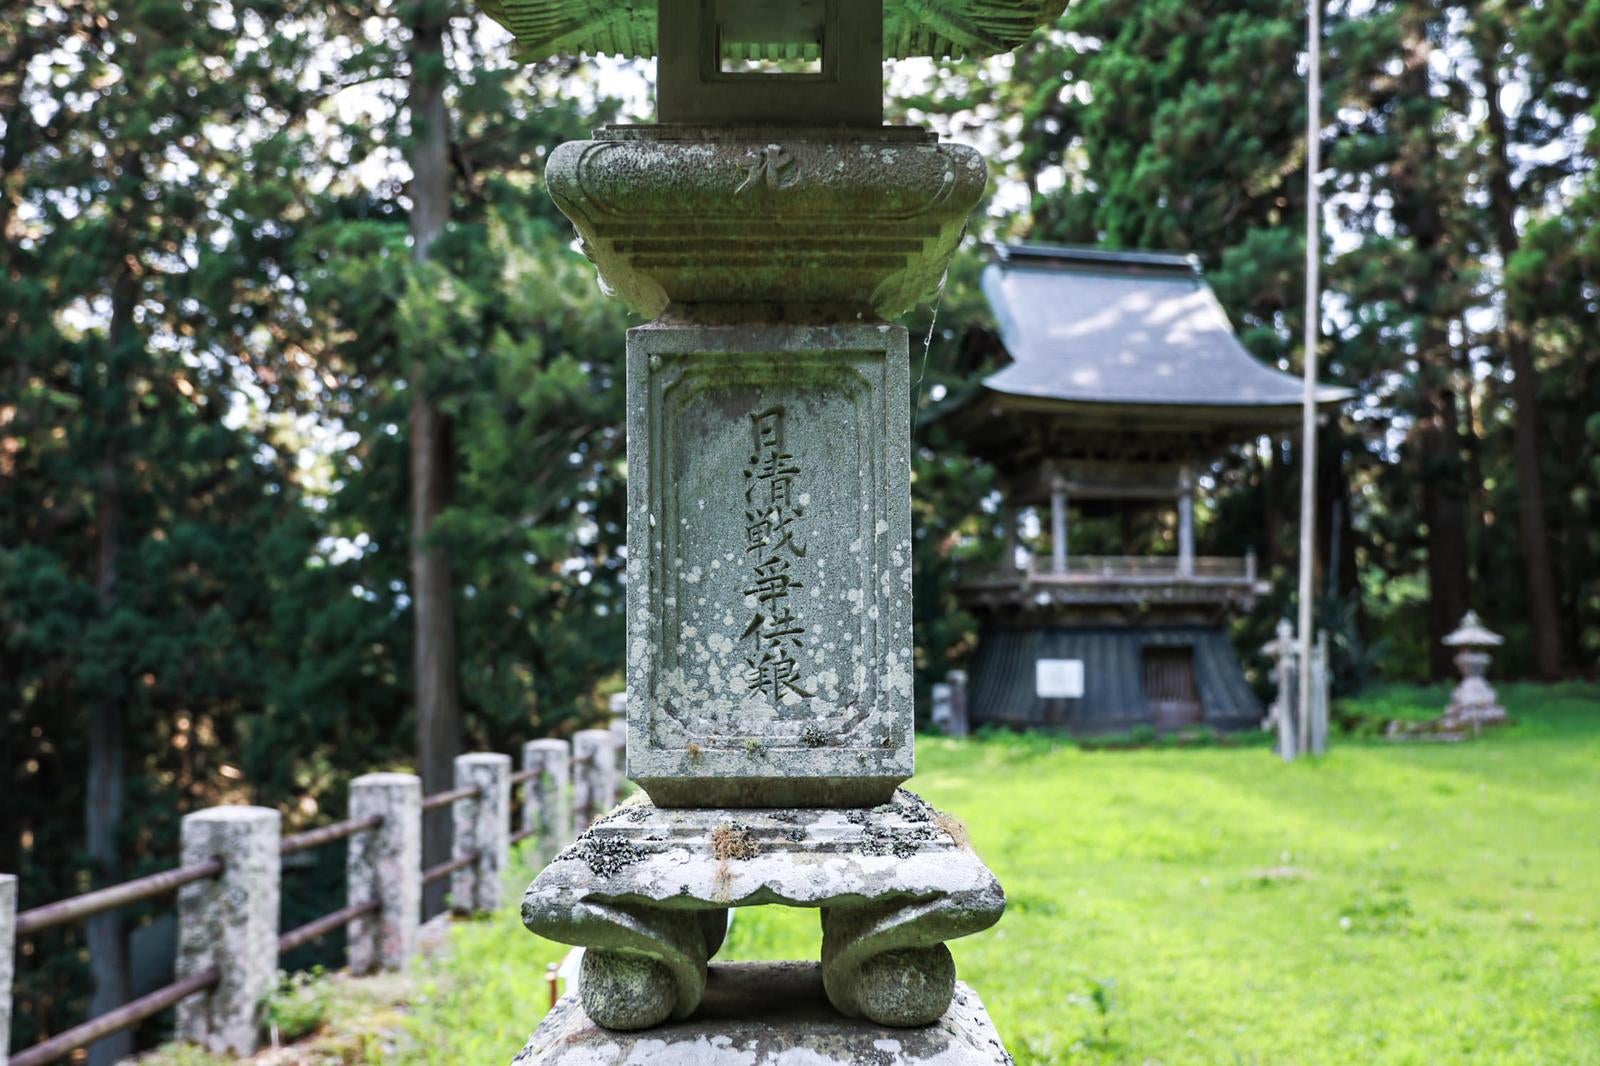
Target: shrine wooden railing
point(1130, 569)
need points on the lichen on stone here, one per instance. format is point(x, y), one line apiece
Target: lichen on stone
point(605, 855)
point(730, 840)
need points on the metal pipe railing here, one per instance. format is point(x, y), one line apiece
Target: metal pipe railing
point(313, 838)
point(448, 867)
point(129, 1014)
point(321, 927)
point(105, 899)
point(447, 797)
point(482, 846)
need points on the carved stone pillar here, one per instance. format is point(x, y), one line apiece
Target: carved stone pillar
point(770, 229)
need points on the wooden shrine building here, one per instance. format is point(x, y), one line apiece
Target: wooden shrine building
point(1121, 380)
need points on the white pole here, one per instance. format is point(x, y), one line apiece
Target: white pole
point(1308, 438)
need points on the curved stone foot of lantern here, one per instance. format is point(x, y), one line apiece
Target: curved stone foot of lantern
point(646, 891)
point(644, 963)
point(887, 962)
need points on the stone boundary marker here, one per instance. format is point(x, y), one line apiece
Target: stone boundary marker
point(228, 886)
point(594, 776)
point(8, 926)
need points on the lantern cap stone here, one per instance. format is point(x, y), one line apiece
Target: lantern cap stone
point(1283, 641)
point(627, 28)
point(1472, 633)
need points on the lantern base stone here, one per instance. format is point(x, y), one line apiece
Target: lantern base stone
point(646, 891)
point(764, 1014)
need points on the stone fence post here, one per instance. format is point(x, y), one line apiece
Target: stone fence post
point(483, 827)
point(229, 922)
point(8, 946)
point(960, 720)
point(594, 776)
point(385, 864)
point(619, 727)
point(546, 802)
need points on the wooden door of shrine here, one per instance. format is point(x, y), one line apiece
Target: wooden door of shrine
point(1171, 697)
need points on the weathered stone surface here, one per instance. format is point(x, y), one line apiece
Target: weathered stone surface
point(797, 218)
point(594, 776)
point(619, 725)
point(547, 799)
point(8, 943)
point(769, 1014)
point(385, 864)
point(482, 825)
point(231, 923)
point(900, 987)
point(627, 991)
point(769, 565)
point(891, 880)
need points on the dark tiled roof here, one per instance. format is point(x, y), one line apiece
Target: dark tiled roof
point(1085, 325)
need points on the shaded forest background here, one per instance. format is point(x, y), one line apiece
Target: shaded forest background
point(311, 454)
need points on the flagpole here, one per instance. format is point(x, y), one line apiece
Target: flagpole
point(1308, 434)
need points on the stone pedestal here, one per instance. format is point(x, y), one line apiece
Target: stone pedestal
point(646, 891)
point(1473, 703)
point(769, 1014)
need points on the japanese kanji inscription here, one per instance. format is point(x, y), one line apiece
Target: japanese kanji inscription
point(769, 562)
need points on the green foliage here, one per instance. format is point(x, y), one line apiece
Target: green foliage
point(298, 1007)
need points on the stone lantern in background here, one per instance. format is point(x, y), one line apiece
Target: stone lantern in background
point(1283, 649)
point(1473, 703)
point(770, 227)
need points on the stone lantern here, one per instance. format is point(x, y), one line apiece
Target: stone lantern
point(770, 227)
point(1284, 650)
point(1473, 703)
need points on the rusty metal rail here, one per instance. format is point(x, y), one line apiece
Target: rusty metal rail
point(104, 899)
point(448, 867)
point(64, 1043)
point(444, 799)
point(315, 838)
point(305, 934)
point(523, 834)
point(525, 775)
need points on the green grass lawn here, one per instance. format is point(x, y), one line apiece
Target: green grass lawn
point(1388, 903)
point(1422, 903)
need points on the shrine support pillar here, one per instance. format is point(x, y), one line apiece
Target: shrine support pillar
point(1058, 526)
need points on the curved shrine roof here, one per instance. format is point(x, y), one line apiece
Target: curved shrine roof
point(1134, 329)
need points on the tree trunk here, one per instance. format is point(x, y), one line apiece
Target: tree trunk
point(1538, 580)
point(438, 698)
point(1444, 511)
point(1419, 204)
point(104, 787)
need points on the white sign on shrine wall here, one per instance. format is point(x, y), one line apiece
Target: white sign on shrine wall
point(1058, 679)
